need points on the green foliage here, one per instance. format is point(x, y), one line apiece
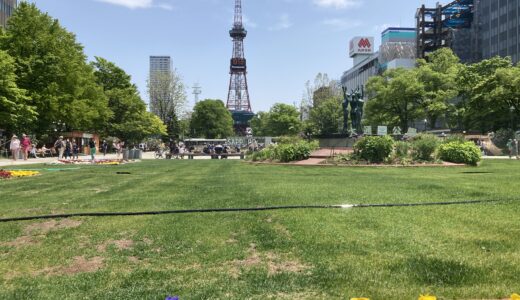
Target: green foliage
point(327, 117)
point(402, 149)
point(395, 98)
point(211, 120)
point(454, 138)
point(15, 111)
point(52, 68)
point(424, 146)
point(286, 152)
point(374, 149)
point(129, 119)
point(502, 136)
point(458, 152)
point(282, 119)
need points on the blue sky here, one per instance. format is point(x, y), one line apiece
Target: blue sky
point(288, 43)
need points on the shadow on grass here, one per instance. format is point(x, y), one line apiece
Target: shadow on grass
point(441, 272)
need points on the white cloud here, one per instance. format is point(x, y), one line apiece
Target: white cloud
point(135, 4)
point(284, 22)
point(338, 3)
point(342, 24)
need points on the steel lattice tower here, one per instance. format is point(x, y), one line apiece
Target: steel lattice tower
point(238, 96)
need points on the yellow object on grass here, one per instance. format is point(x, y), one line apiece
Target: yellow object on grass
point(427, 297)
point(515, 297)
point(23, 173)
point(359, 299)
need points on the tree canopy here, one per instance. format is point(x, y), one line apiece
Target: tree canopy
point(211, 119)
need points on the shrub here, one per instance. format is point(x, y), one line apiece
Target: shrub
point(457, 152)
point(402, 149)
point(293, 152)
point(285, 152)
point(424, 146)
point(374, 149)
point(454, 138)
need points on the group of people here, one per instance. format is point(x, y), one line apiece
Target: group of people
point(24, 146)
point(66, 149)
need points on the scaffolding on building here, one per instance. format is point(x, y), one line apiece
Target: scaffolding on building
point(445, 26)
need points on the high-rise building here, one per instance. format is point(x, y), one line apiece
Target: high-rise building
point(160, 71)
point(6, 10)
point(498, 25)
point(473, 29)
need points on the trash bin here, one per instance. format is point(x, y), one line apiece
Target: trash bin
point(138, 154)
point(125, 154)
point(131, 154)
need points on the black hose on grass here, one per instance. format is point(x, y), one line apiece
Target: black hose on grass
point(220, 210)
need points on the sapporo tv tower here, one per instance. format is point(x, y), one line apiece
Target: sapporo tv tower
point(238, 102)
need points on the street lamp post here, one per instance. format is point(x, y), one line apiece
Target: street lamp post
point(425, 124)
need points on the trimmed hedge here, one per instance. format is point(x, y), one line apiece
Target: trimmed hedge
point(460, 152)
point(374, 149)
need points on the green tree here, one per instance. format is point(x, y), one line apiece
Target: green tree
point(129, 119)
point(259, 123)
point(471, 111)
point(395, 98)
point(167, 94)
point(438, 73)
point(52, 68)
point(211, 119)
point(282, 119)
point(15, 113)
point(327, 117)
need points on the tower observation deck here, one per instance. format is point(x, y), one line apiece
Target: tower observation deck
point(238, 102)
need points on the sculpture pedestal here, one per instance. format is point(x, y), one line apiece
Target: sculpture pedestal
point(337, 141)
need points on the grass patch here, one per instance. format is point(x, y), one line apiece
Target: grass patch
point(466, 251)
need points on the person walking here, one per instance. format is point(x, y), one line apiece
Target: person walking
point(104, 146)
point(26, 146)
point(92, 146)
point(15, 147)
point(59, 145)
point(510, 147)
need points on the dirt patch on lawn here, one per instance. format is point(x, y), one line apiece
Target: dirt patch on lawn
point(21, 241)
point(273, 262)
point(43, 228)
point(80, 264)
point(120, 245)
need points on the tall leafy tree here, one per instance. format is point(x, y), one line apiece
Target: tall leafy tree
point(167, 94)
point(129, 119)
point(15, 113)
point(283, 119)
point(396, 98)
point(52, 67)
point(211, 119)
point(438, 73)
point(327, 117)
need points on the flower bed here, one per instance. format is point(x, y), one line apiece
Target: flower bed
point(5, 174)
point(105, 162)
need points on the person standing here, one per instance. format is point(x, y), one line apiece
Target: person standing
point(59, 145)
point(104, 146)
point(15, 147)
point(92, 146)
point(515, 148)
point(26, 146)
point(75, 150)
point(68, 149)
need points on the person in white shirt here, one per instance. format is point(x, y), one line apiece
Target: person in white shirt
point(15, 147)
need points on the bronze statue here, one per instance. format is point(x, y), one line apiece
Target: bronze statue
point(355, 99)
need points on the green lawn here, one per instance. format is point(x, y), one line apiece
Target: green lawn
point(460, 251)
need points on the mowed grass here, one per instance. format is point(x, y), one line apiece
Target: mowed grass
point(460, 251)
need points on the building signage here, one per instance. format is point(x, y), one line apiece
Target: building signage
point(411, 132)
point(367, 130)
point(361, 45)
point(382, 130)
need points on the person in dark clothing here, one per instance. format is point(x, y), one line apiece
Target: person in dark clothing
point(68, 149)
point(75, 150)
point(104, 147)
point(92, 146)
